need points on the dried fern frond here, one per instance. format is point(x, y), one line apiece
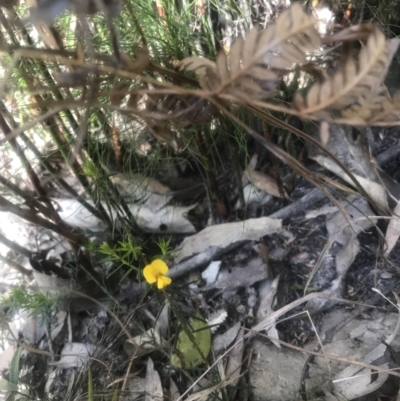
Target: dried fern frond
point(361, 77)
point(255, 62)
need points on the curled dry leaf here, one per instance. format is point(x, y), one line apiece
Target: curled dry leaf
point(253, 63)
point(393, 230)
point(357, 78)
point(264, 183)
point(260, 180)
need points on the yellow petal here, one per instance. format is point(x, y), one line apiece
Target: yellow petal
point(160, 267)
point(163, 281)
point(150, 274)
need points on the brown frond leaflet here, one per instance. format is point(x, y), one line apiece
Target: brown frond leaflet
point(255, 63)
point(352, 33)
point(370, 109)
point(361, 77)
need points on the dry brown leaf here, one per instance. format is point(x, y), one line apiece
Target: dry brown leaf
point(393, 230)
point(252, 65)
point(263, 182)
point(357, 78)
point(260, 180)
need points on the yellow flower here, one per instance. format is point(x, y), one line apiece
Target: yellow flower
point(156, 273)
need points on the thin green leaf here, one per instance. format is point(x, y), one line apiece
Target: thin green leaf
point(14, 367)
point(7, 386)
point(90, 386)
